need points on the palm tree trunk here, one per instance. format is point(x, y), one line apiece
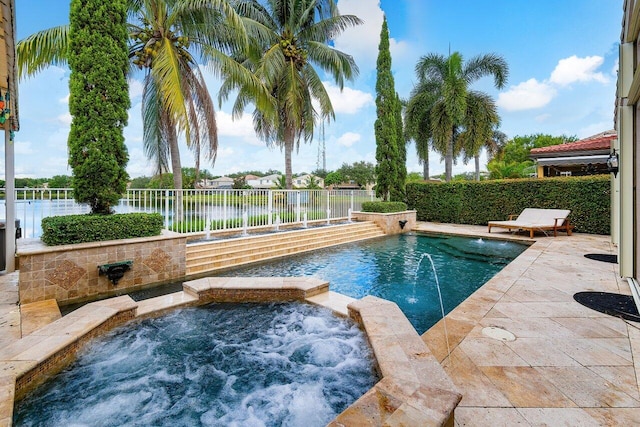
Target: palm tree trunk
point(448, 161)
point(197, 156)
point(425, 167)
point(476, 158)
point(176, 168)
point(289, 136)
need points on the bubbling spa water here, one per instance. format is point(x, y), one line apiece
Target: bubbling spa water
point(219, 365)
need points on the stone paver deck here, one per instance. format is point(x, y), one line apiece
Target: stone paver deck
point(568, 365)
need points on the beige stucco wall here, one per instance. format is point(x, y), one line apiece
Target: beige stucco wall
point(389, 222)
point(69, 273)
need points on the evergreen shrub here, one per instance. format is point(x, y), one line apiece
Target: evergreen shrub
point(71, 229)
point(384, 207)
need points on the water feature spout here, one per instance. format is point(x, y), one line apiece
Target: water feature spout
point(304, 220)
point(349, 215)
point(402, 223)
point(277, 223)
point(207, 231)
point(245, 223)
point(114, 271)
point(435, 275)
point(328, 216)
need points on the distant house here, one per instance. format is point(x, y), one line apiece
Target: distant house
point(265, 182)
point(584, 157)
point(303, 181)
point(222, 183)
point(352, 185)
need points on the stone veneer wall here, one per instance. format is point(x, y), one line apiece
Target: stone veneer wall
point(389, 222)
point(69, 273)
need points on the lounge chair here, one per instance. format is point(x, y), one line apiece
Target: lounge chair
point(533, 219)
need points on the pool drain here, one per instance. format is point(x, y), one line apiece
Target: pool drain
point(498, 334)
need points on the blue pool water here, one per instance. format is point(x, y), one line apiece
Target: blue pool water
point(217, 365)
point(395, 268)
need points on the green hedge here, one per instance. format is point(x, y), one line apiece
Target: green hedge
point(384, 207)
point(588, 198)
point(70, 229)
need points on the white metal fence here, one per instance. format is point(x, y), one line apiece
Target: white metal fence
point(201, 209)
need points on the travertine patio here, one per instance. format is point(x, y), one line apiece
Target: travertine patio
point(568, 365)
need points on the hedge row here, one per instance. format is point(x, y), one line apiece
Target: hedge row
point(384, 207)
point(588, 198)
point(70, 229)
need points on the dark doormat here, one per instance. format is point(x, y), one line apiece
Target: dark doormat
point(603, 257)
point(617, 305)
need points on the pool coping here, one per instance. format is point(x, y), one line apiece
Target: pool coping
point(413, 384)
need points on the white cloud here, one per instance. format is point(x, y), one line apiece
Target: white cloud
point(574, 69)
point(360, 41)
point(533, 94)
point(595, 128)
point(226, 152)
point(23, 148)
point(135, 88)
point(64, 100)
point(65, 118)
point(527, 95)
point(543, 117)
point(348, 139)
point(138, 164)
point(348, 101)
point(242, 127)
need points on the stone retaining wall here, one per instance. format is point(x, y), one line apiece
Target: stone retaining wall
point(389, 222)
point(69, 273)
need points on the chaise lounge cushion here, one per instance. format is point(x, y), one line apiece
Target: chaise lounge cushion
point(537, 219)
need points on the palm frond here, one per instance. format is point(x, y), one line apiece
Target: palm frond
point(340, 65)
point(432, 66)
point(484, 65)
point(41, 50)
point(167, 72)
point(155, 146)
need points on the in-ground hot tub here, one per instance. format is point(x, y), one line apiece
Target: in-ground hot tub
point(219, 364)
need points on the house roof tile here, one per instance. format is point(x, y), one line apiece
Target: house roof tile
point(601, 141)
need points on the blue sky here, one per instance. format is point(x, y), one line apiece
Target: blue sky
point(562, 57)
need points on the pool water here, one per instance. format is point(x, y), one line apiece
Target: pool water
point(396, 269)
point(219, 365)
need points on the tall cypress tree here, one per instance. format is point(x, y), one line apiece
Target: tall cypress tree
point(98, 101)
point(385, 125)
point(398, 192)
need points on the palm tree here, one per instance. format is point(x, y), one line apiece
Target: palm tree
point(417, 122)
point(166, 38)
point(441, 105)
point(291, 39)
point(479, 129)
point(499, 169)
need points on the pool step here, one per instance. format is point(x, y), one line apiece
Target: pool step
point(206, 257)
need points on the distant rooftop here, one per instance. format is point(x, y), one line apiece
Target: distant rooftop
point(598, 142)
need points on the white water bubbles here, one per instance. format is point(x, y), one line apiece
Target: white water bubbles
point(219, 365)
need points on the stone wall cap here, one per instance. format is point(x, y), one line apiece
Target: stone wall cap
point(36, 246)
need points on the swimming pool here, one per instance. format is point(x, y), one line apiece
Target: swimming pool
point(215, 365)
point(396, 269)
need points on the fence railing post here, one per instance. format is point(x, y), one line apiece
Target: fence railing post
point(166, 209)
point(270, 208)
point(224, 209)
